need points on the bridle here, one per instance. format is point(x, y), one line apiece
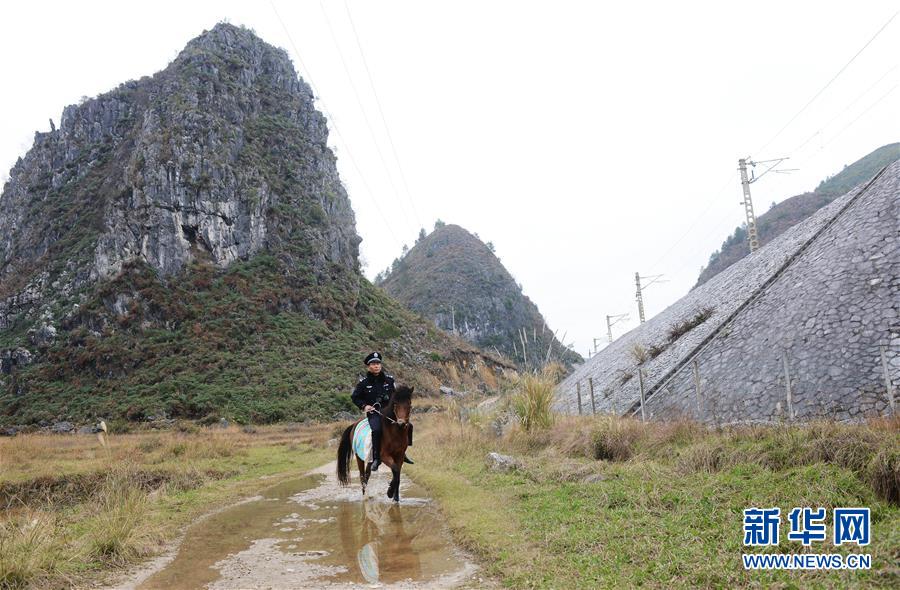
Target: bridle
point(386, 417)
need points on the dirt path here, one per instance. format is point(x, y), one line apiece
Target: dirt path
point(311, 533)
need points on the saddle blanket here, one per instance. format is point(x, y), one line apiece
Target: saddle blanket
point(362, 441)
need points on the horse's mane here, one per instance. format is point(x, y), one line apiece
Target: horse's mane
point(402, 395)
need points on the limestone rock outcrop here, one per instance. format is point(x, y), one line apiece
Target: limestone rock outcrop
point(217, 157)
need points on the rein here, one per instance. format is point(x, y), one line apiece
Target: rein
point(384, 416)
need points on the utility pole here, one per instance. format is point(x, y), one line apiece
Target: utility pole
point(638, 295)
point(752, 235)
point(748, 206)
point(612, 320)
point(595, 345)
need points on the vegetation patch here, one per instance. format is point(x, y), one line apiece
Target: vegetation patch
point(681, 328)
point(251, 344)
point(611, 502)
point(105, 507)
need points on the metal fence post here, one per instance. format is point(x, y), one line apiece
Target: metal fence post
point(641, 383)
point(578, 389)
point(697, 387)
point(887, 380)
point(591, 385)
point(787, 385)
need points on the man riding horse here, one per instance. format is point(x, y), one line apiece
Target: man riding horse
point(370, 395)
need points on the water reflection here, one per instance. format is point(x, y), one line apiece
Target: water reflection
point(373, 535)
point(310, 533)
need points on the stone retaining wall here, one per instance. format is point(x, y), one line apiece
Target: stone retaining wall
point(830, 311)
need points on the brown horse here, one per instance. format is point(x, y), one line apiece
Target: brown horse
point(396, 429)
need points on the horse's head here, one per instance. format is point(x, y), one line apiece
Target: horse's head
point(401, 404)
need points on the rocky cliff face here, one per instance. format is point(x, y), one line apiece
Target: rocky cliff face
point(451, 277)
point(182, 245)
point(216, 158)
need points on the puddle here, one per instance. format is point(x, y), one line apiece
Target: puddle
point(310, 533)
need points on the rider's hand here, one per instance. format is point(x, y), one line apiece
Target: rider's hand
point(368, 408)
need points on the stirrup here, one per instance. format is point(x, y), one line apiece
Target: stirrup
point(375, 464)
point(408, 460)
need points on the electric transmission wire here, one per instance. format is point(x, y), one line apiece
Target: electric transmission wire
point(693, 225)
point(717, 227)
point(835, 77)
point(362, 54)
point(340, 53)
point(334, 125)
point(871, 106)
point(844, 110)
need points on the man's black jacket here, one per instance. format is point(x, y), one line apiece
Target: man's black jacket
point(373, 389)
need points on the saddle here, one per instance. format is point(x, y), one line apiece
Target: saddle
point(362, 441)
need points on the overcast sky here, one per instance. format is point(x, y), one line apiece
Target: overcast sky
point(587, 141)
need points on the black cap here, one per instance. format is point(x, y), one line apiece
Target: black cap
point(373, 357)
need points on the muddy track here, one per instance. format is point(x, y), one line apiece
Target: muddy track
point(311, 533)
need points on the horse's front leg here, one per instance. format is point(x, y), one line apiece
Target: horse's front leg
point(394, 487)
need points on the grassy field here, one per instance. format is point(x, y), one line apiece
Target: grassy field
point(605, 502)
point(598, 501)
point(75, 510)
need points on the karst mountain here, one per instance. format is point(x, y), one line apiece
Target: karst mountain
point(453, 278)
point(182, 246)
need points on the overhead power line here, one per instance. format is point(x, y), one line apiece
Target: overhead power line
point(844, 110)
point(333, 124)
point(693, 225)
point(871, 106)
point(387, 129)
point(827, 84)
point(362, 109)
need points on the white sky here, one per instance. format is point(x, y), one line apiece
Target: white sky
point(586, 140)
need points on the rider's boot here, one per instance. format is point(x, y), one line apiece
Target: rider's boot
point(376, 450)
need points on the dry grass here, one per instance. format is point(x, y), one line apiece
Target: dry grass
point(589, 480)
point(29, 456)
point(119, 529)
point(533, 402)
point(452, 373)
point(41, 547)
point(70, 507)
point(639, 354)
point(883, 473)
point(30, 551)
point(870, 450)
point(681, 328)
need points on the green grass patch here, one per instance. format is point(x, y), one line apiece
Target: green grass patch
point(654, 509)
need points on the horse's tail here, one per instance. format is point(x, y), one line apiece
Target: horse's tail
point(345, 451)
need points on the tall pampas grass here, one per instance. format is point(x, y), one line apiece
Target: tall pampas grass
point(533, 402)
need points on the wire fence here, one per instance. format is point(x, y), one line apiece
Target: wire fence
point(697, 393)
